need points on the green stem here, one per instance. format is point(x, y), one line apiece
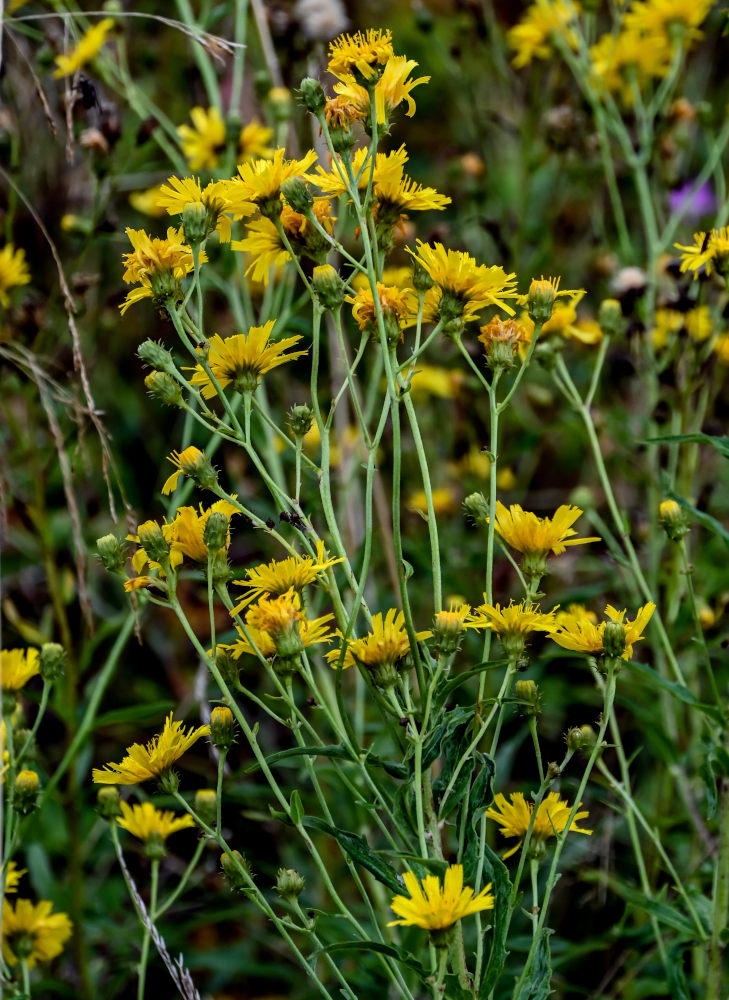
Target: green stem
point(721, 899)
point(537, 750)
point(147, 936)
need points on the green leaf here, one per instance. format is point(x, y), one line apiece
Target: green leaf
point(537, 983)
point(496, 872)
point(296, 807)
point(675, 975)
point(456, 682)
point(679, 691)
point(720, 443)
point(335, 750)
point(454, 990)
point(134, 713)
point(359, 851)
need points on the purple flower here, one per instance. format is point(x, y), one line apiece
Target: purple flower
point(693, 203)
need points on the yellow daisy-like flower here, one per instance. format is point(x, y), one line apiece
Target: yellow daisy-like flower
point(263, 245)
point(13, 874)
point(282, 626)
point(396, 305)
point(153, 760)
point(573, 612)
point(147, 201)
point(33, 932)
point(260, 180)
point(311, 632)
point(582, 635)
point(242, 359)
point(365, 53)
point(514, 619)
point(13, 271)
point(699, 323)
point(627, 60)
point(433, 906)
point(382, 651)
point(190, 462)
point(708, 249)
point(203, 144)
point(253, 142)
point(17, 666)
point(179, 192)
point(534, 535)
point(183, 536)
point(446, 383)
point(514, 817)
point(146, 822)
point(462, 287)
point(156, 265)
point(88, 47)
point(280, 575)
point(393, 87)
point(669, 18)
point(532, 37)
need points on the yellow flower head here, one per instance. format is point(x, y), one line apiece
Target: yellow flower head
point(537, 536)
point(179, 192)
point(462, 287)
point(630, 59)
point(88, 46)
point(17, 666)
point(156, 265)
point(146, 822)
point(532, 37)
point(253, 142)
point(382, 651)
point(393, 87)
point(190, 462)
point(514, 817)
point(396, 305)
point(432, 380)
point(699, 323)
point(261, 640)
point(243, 358)
point(708, 249)
point(203, 144)
point(584, 636)
point(514, 620)
point(13, 875)
point(364, 53)
point(264, 246)
point(153, 760)
point(147, 201)
point(668, 18)
point(573, 612)
point(183, 536)
point(13, 271)
point(33, 932)
point(281, 575)
point(260, 180)
point(435, 907)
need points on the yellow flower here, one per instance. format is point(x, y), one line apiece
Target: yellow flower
point(183, 536)
point(190, 462)
point(88, 46)
point(150, 761)
point(156, 265)
point(514, 620)
point(435, 907)
point(721, 349)
point(33, 932)
point(514, 817)
point(582, 635)
point(463, 287)
point(311, 631)
point(574, 612)
point(699, 323)
point(444, 501)
point(534, 535)
point(146, 822)
point(396, 305)
point(17, 666)
point(393, 87)
point(383, 650)
point(179, 192)
point(281, 617)
point(243, 358)
point(147, 201)
point(667, 323)
point(13, 875)
point(630, 59)
point(13, 271)
point(263, 244)
point(203, 144)
point(664, 17)
point(708, 249)
point(532, 37)
point(253, 142)
point(430, 379)
point(281, 575)
point(260, 180)
point(364, 53)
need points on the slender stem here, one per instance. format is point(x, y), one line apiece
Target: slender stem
point(25, 975)
point(537, 751)
point(179, 888)
point(147, 936)
point(534, 868)
point(720, 910)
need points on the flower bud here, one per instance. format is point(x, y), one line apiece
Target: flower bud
point(673, 520)
point(300, 418)
point(21, 736)
point(422, 281)
point(108, 802)
point(228, 666)
point(312, 94)
point(195, 223)
point(613, 639)
point(27, 790)
point(153, 541)
point(328, 286)
point(476, 506)
point(297, 194)
point(448, 628)
point(553, 771)
point(610, 318)
point(235, 868)
point(289, 884)
point(111, 553)
point(540, 299)
point(528, 692)
point(215, 535)
point(206, 805)
point(581, 739)
point(52, 660)
point(222, 728)
point(164, 388)
point(154, 846)
point(156, 356)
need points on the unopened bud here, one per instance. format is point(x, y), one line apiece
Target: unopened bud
point(553, 771)
point(610, 318)
point(297, 194)
point(153, 541)
point(673, 520)
point(300, 418)
point(448, 628)
point(237, 871)
point(613, 639)
point(108, 802)
point(52, 660)
point(312, 94)
point(111, 553)
point(422, 281)
point(328, 286)
point(228, 667)
point(156, 356)
point(222, 728)
point(528, 692)
point(215, 535)
point(206, 805)
point(27, 790)
point(164, 388)
point(540, 299)
point(581, 739)
point(289, 884)
point(476, 506)
point(195, 223)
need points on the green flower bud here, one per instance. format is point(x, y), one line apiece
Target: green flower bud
point(528, 692)
point(107, 802)
point(610, 318)
point(222, 728)
point(228, 666)
point(422, 281)
point(153, 541)
point(215, 535)
point(27, 791)
point(328, 286)
point(477, 508)
point(297, 194)
point(206, 805)
point(232, 864)
point(300, 418)
point(164, 388)
point(613, 639)
point(312, 94)
point(195, 223)
point(52, 660)
point(111, 553)
point(673, 520)
point(156, 356)
point(540, 299)
point(289, 884)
